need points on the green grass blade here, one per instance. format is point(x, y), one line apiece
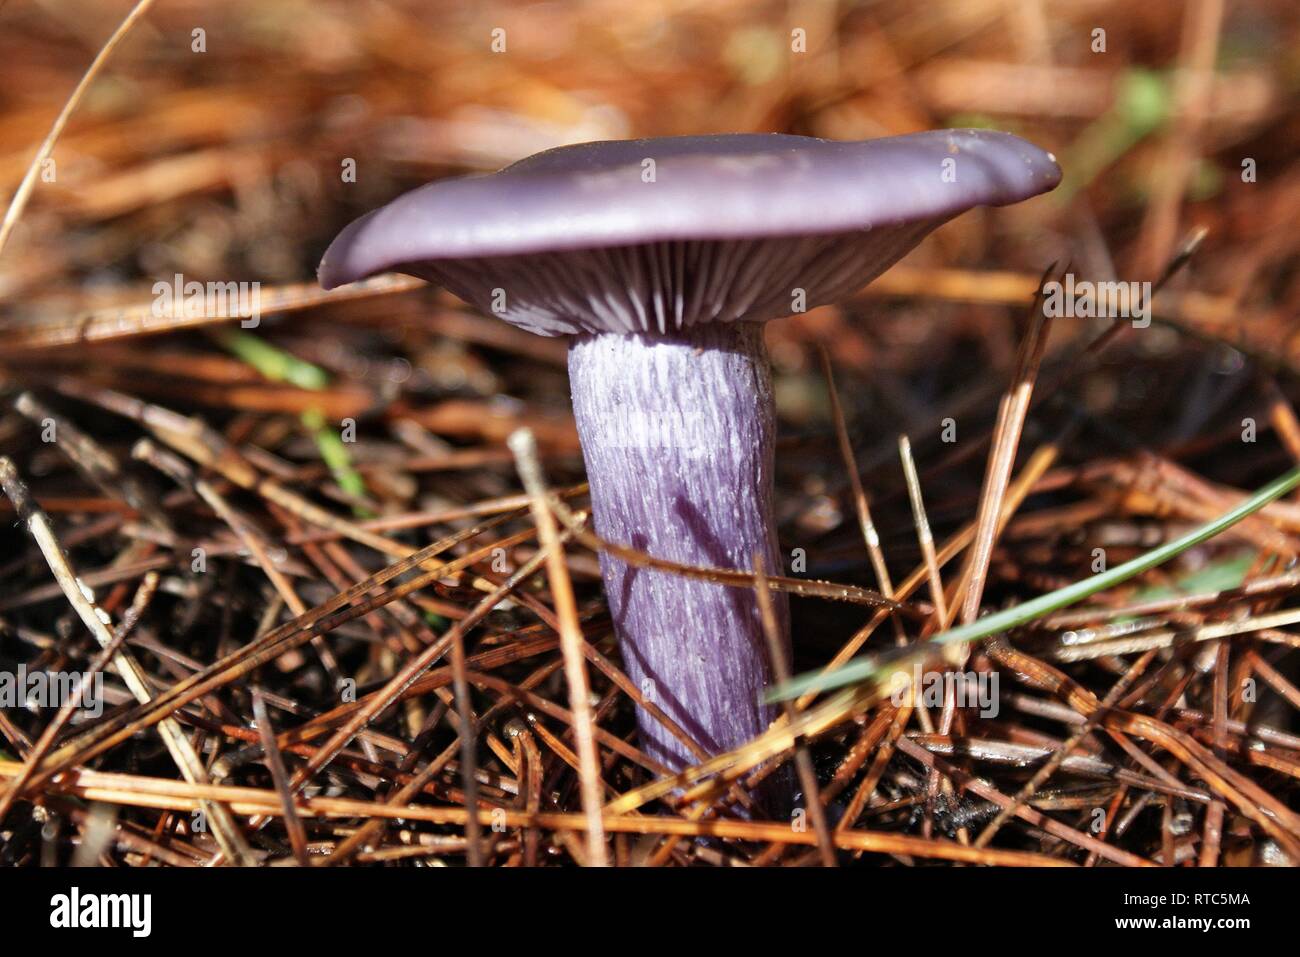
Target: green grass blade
point(273, 362)
point(868, 667)
point(279, 365)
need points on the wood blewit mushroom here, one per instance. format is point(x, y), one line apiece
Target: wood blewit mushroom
point(661, 259)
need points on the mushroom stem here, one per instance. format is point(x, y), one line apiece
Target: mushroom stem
point(677, 433)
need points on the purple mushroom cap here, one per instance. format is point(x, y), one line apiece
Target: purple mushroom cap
point(660, 258)
point(661, 234)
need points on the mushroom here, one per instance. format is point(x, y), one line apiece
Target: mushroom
point(661, 259)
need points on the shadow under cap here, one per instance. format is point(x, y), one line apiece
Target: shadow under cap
point(735, 227)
